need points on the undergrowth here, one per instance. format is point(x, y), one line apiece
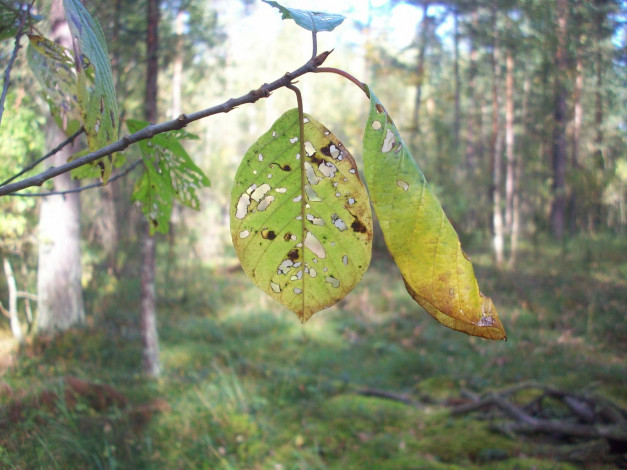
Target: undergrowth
point(246, 386)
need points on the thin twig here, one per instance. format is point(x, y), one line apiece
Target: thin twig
point(314, 40)
point(82, 188)
point(7, 72)
point(183, 120)
point(58, 148)
point(346, 75)
point(26, 295)
point(371, 392)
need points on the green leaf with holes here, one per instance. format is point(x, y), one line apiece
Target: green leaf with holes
point(300, 216)
point(169, 174)
point(424, 244)
point(53, 67)
point(96, 98)
point(310, 20)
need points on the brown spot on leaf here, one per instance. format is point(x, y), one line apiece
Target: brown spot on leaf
point(326, 150)
point(282, 167)
point(268, 234)
point(380, 108)
point(293, 254)
point(357, 226)
point(315, 160)
point(287, 237)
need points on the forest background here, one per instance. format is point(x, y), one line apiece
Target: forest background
point(515, 112)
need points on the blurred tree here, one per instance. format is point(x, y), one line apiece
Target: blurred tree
point(59, 289)
point(558, 205)
point(150, 337)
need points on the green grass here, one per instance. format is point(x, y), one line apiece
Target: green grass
point(246, 386)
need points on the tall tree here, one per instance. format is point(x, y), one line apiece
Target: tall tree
point(421, 36)
point(558, 206)
point(457, 118)
point(59, 290)
point(510, 174)
point(150, 336)
point(496, 146)
point(474, 113)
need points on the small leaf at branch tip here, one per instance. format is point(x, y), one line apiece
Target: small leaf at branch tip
point(314, 21)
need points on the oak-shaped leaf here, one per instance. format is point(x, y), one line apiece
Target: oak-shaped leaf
point(169, 173)
point(96, 98)
point(310, 20)
point(420, 238)
point(300, 216)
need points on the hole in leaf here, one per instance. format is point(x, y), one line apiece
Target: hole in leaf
point(242, 206)
point(263, 205)
point(402, 184)
point(314, 245)
point(388, 143)
point(285, 266)
point(260, 192)
point(309, 149)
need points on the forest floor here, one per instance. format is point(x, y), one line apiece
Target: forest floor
point(372, 383)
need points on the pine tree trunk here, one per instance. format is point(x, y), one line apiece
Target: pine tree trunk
point(457, 118)
point(150, 336)
point(518, 170)
point(599, 160)
point(496, 147)
point(577, 122)
point(509, 141)
point(472, 124)
point(59, 290)
point(558, 207)
point(420, 67)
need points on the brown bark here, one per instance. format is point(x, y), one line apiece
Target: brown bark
point(150, 336)
point(420, 67)
point(496, 147)
point(558, 206)
point(59, 290)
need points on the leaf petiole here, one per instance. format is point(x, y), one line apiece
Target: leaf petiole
point(346, 75)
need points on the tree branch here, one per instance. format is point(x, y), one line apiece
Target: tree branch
point(7, 72)
point(58, 148)
point(183, 120)
point(82, 188)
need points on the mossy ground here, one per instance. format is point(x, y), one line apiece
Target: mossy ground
point(246, 386)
